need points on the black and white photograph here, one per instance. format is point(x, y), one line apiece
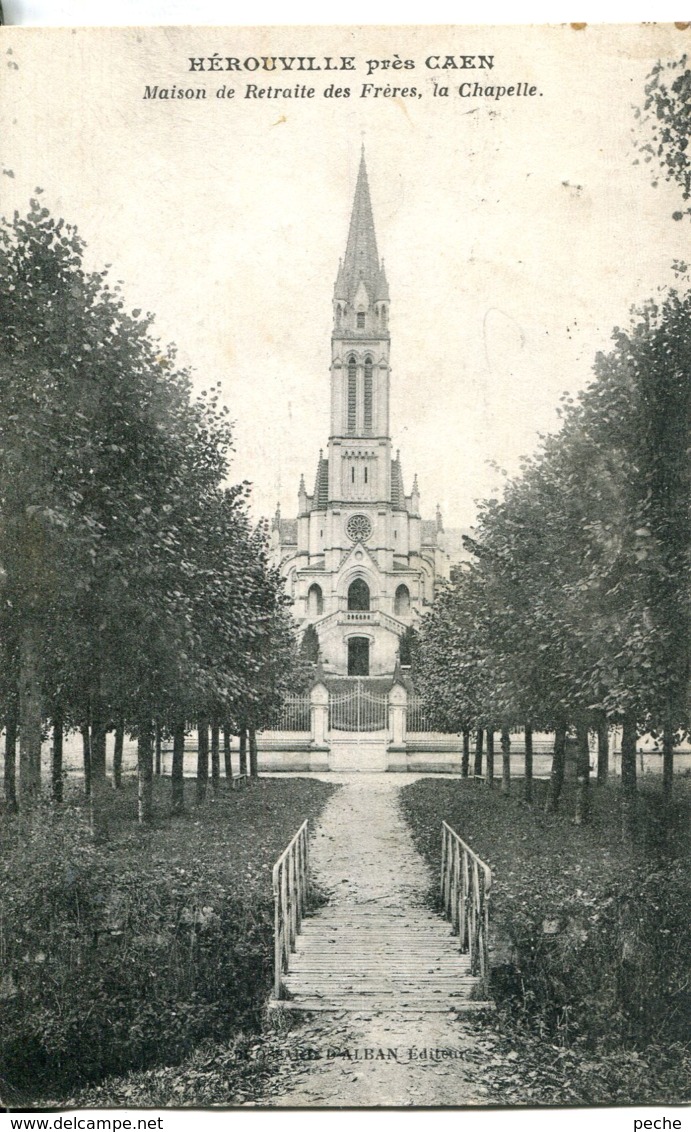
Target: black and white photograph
point(345, 553)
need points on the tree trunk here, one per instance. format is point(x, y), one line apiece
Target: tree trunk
point(582, 774)
point(226, 753)
point(628, 777)
point(556, 778)
point(465, 761)
point(528, 780)
point(29, 718)
point(254, 759)
point(177, 779)
point(202, 756)
point(11, 759)
point(667, 761)
point(157, 756)
point(117, 754)
point(602, 748)
point(215, 755)
point(86, 757)
point(505, 760)
point(243, 750)
point(99, 805)
point(477, 766)
point(56, 760)
point(145, 771)
point(489, 767)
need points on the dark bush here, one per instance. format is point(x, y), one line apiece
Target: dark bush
point(122, 956)
point(590, 935)
point(607, 968)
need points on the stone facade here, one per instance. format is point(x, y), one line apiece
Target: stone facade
point(360, 562)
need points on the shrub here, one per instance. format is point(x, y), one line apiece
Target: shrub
point(117, 957)
point(590, 935)
point(607, 968)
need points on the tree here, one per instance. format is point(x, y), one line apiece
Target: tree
point(575, 610)
point(309, 646)
point(133, 586)
point(665, 119)
point(449, 668)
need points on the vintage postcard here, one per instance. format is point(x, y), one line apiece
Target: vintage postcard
point(344, 408)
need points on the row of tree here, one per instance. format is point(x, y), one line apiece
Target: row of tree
point(574, 611)
point(135, 592)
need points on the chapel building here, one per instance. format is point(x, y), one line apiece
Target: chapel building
point(360, 562)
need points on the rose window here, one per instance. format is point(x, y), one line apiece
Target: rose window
point(359, 528)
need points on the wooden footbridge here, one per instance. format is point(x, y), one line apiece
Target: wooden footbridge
point(369, 957)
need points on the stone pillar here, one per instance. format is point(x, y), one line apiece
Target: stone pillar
point(319, 727)
point(396, 753)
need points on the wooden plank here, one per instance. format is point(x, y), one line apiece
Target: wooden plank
point(349, 1005)
point(436, 986)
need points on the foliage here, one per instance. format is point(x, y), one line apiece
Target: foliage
point(666, 121)
point(588, 941)
point(120, 959)
point(577, 599)
point(233, 1072)
point(309, 646)
point(133, 584)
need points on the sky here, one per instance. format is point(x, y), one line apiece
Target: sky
point(516, 233)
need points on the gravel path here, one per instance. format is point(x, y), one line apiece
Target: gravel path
point(363, 853)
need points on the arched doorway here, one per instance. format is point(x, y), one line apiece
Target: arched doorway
point(358, 656)
point(358, 595)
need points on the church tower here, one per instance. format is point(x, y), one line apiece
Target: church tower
point(359, 561)
point(359, 442)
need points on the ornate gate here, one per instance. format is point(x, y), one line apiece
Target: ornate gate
point(358, 709)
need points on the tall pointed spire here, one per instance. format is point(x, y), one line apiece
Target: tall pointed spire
point(361, 260)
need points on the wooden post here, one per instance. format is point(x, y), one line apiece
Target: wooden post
point(277, 937)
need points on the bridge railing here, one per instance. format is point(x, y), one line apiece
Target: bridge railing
point(291, 890)
point(466, 884)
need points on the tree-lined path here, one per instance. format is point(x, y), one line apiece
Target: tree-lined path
point(381, 968)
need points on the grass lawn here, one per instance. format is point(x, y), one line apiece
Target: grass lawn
point(131, 953)
point(590, 938)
